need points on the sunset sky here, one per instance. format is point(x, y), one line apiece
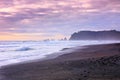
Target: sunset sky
point(55, 19)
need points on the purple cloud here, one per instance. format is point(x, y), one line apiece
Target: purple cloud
point(56, 16)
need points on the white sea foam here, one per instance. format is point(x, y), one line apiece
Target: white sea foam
point(20, 51)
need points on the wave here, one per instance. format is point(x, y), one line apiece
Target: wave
point(24, 49)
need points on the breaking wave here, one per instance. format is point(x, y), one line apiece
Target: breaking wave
point(24, 49)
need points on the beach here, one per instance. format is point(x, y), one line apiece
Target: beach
point(93, 62)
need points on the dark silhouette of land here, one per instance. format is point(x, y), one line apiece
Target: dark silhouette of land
point(96, 35)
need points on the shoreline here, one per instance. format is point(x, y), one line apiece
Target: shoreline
point(55, 54)
point(76, 65)
point(49, 56)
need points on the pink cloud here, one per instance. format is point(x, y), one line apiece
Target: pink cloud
point(42, 15)
point(39, 8)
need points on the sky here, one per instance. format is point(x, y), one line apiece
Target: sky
point(56, 19)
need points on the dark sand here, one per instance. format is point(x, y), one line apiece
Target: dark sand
point(98, 62)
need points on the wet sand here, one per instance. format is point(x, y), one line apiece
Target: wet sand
point(97, 62)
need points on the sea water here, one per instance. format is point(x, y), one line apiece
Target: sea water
point(20, 51)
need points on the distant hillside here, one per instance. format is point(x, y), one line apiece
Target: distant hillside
point(96, 35)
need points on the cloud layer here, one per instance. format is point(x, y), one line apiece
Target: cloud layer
point(56, 16)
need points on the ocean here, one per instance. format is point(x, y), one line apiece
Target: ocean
point(12, 52)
